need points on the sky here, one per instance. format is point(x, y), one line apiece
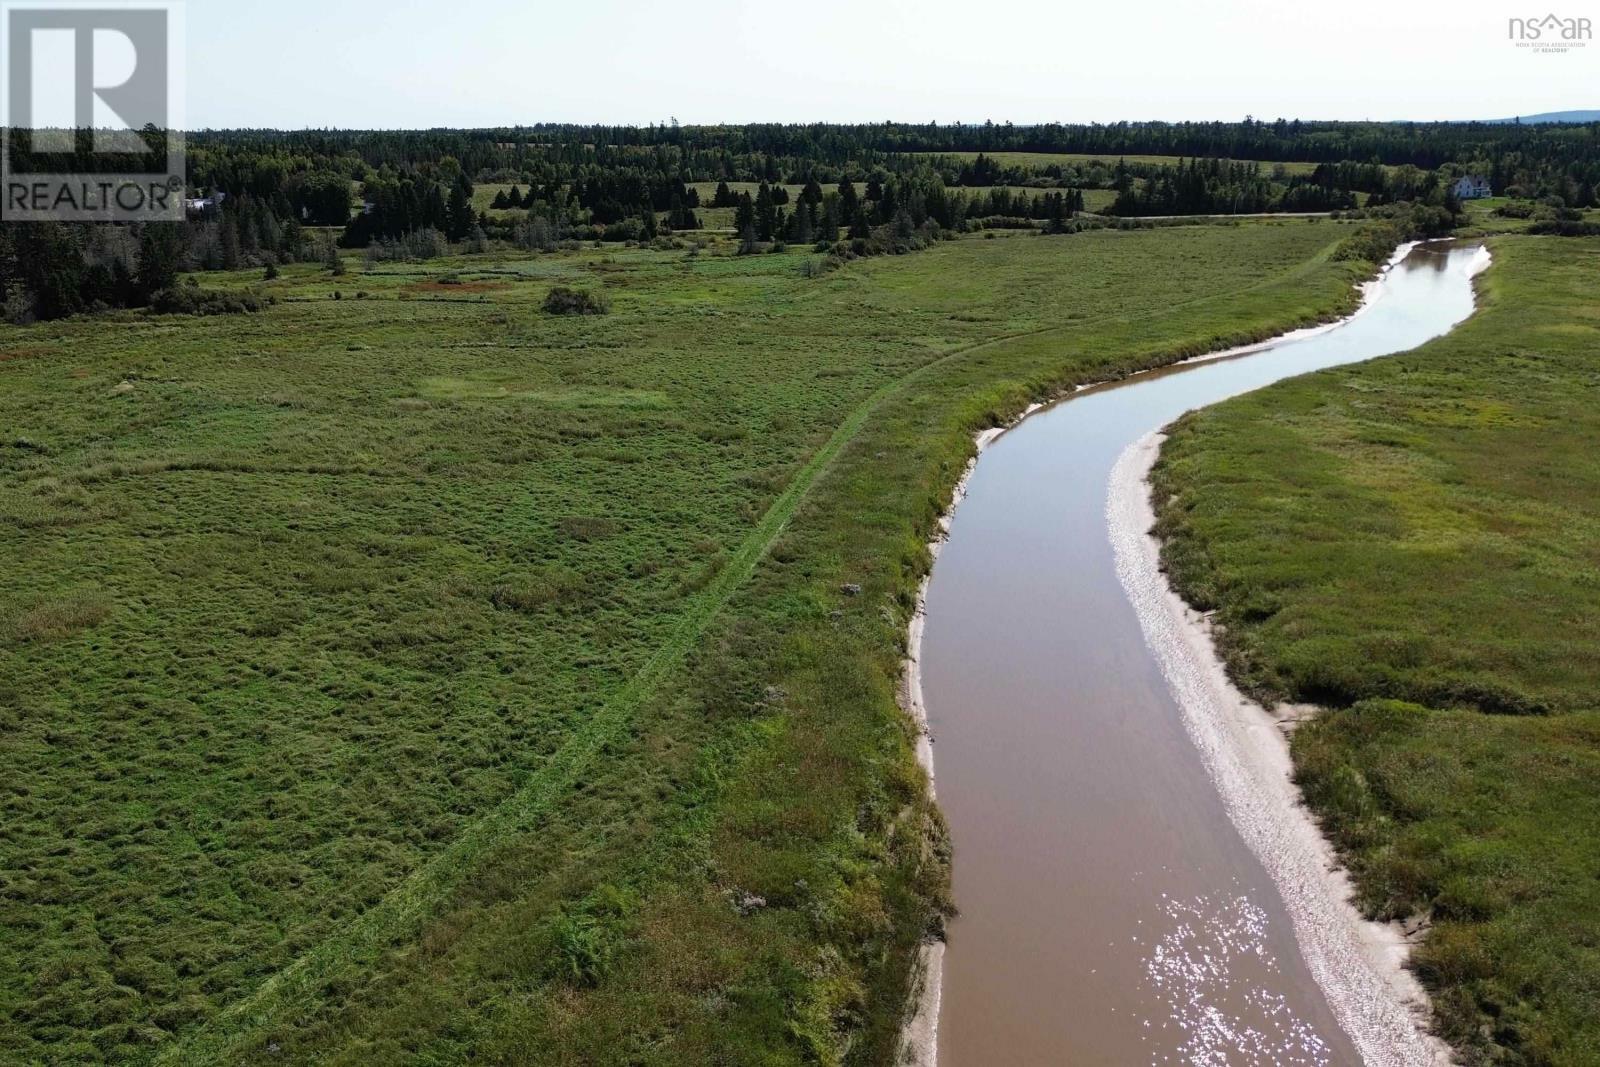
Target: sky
point(474, 63)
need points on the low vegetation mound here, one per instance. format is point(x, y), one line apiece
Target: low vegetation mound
point(567, 301)
point(190, 299)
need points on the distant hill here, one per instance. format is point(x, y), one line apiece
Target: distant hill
point(1556, 116)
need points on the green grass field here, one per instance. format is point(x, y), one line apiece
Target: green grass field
point(414, 676)
point(483, 195)
point(1040, 160)
point(1412, 541)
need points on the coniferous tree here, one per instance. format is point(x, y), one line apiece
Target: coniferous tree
point(331, 258)
point(860, 225)
point(847, 200)
point(766, 213)
point(458, 215)
point(828, 229)
point(802, 223)
point(438, 209)
point(160, 250)
point(231, 259)
point(1122, 180)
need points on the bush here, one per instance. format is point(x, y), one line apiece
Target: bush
point(1374, 244)
point(1392, 225)
point(535, 235)
point(1564, 228)
point(565, 301)
point(190, 299)
point(1517, 209)
point(416, 246)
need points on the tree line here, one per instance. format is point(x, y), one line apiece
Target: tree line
point(287, 194)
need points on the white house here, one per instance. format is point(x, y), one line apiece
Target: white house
point(1472, 187)
point(200, 205)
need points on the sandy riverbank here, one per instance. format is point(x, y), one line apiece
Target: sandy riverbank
point(1359, 965)
point(919, 1039)
point(919, 1036)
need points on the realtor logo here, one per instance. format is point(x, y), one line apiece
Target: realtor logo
point(93, 99)
point(1549, 33)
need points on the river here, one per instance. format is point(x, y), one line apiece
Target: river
point(1111, 912)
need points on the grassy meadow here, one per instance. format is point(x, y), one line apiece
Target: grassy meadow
point(403, 674)
point(1412, 542)
point(1041, 160)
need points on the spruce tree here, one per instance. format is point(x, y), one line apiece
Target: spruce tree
point(766, 213)
point(160, 248)
point(330, 256)
point(860, 225)
point(459, 219)
point(434, 212)
point(230, 241)
point(847, 200)
point(828, 229)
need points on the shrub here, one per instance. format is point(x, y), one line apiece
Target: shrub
point(1370, 243)
point(1517, 209)
point(566, 301)
point(416, 246)
point(1393, 224)
point(1564, 228)
point(190, 299)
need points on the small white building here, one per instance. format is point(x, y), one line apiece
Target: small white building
point(200, 205)
point(1472, 187)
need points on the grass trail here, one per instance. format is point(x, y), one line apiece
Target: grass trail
point(406, 905)
point(399, 914)
point(410, 902)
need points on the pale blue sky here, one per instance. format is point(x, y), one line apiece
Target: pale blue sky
point(416, 63)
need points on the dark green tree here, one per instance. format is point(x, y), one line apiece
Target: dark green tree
point(459, 219)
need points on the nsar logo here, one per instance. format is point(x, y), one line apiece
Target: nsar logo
point(1551, 33)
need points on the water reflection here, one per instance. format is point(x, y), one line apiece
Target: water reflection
point(1111, 913)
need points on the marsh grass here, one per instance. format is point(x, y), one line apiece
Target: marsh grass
point(438, 716)
point(58, 617)
point(1412, 542)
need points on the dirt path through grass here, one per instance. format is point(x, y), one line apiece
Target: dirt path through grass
point(400, 913)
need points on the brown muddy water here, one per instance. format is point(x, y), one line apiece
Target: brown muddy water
point(1110, 911)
